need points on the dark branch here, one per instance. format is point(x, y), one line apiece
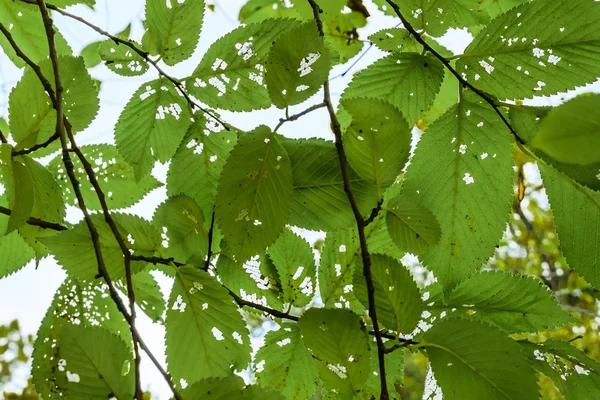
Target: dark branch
point(37, 222)
point(374, 213)
point(303, 113)
point(360, 221)
point(486, 97)
point(210, 242)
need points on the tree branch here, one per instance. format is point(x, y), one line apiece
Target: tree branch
point(487, 98)
point(360, 221)
point(37, 222)
point(210, 241)
point(142, 54)
point(303, 113)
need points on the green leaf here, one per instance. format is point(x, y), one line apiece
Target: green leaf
point(576, 212)
point(319, 200)
point(526, 121)
point(295, 263)
point(182, 223)
point(431, 16)
point(151, 126)
point(90, 54)
point(32, 118)
point(173, 28)
point(408, 81)
point(121, 59)
point(570, 133)
point(25, 24)
point(531, 51)
point(412, 227)
point(200, 308)
point(341, 35)
point(255, 193)
point(377, 142)
point(14, 253)
point(462, 171)
point(582, 386)
point(285, 365)
point(22, 196)
point(297, 66)
point(472, 360)
point(445, 99)
point(394, 371)
point(258, 10)
point(94, 359)
point(228, 388)
point(514, 303)
point(397, 297)
point(232, 72)
point(340, 345)
point(74, 249)
point(147, 295)
point(115, 176)
point(255, 280)
point(74, 302)
point(197, 165)
point(395, 39)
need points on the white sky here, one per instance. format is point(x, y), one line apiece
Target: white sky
point(27, 294)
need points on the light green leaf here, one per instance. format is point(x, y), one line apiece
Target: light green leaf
point(74, 250)
point(115, 176)
point(285, 365)
point(408, 81)
point(377, 142)
point(121, 59)
point(472, 360)
point(197, 165)
point(200, 308)
point(412, 227)
point(255, 193)
point(22, 196)
point(232, 72)
point(536, 49)
point(526, 121)
point(570, 133)
point(341, 35)
point(319, 200)
point(395, 39)
point(74, 302)
point(173, 28)
point(514, 303)
point(445, 99)
point(32, 118)
point(148, 296)
point(91, 52)
point(576, 211)
point(340, 344)
point(297, 66)
point(462, 171)
point(25, 24)
point(431, 16)
point(94, 359)
point(14, 253)
point(295, 263)
point(182, 222)
point(151, 126)
point(258, 10)
point(228, 388)
point(397, 297)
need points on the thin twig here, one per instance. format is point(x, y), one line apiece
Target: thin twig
point(210, 241)
point(37, 222)
point(144, 55)
point(303, 113)
point(157, 260)
point(278, 314)
point(360, 221)
point(487, 98)
point(374, 213)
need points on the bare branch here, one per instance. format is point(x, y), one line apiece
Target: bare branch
point(210, 241)
point(360, 221)
point(303, 113)
point(37, 222)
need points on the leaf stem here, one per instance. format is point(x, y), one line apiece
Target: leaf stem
point(360, 221)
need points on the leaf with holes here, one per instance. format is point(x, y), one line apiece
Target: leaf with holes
point(201, 308)
point(295, 263)
point(231, 74)
point(121, 59)
point(297, 66)
point(462, 171)
point(340, 345)
point(393, 77)
point(470, 360)
point(151, 126)
point(412, 227)
point(377, 141)
point(255, 193)
point(285, 365)
point(531, 51)
point(173, 28)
